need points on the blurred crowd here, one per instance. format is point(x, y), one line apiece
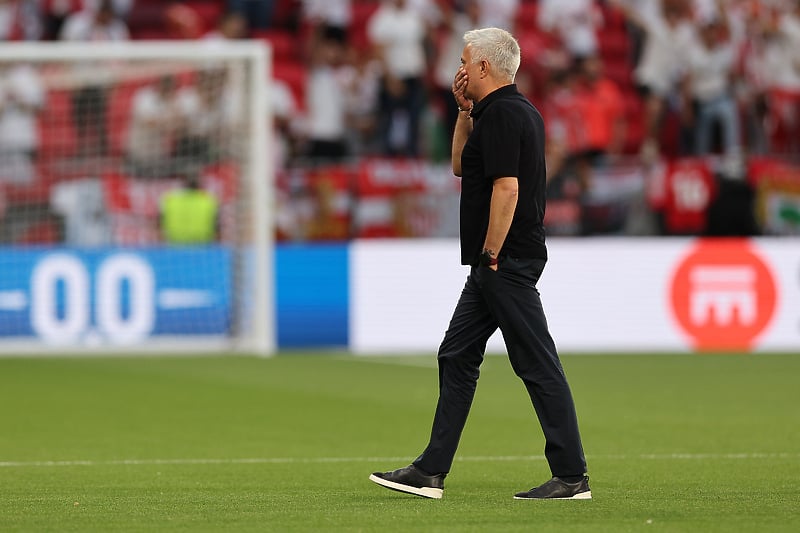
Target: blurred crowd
point(613, 78)
point(377, 73)
point(618, 81)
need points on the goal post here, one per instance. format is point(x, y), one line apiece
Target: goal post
point(136, 198)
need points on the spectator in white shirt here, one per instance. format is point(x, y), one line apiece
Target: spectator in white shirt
point(154, 121)
point(710, 69)
point(95, 24)
point(22, 97)
point(398, 33)
point(574, 22)
point(498, 13)
point(326, 102)
point(660, 68)
point(89, 101)
point(776, 63)
point(329, 17)
point(210, 113)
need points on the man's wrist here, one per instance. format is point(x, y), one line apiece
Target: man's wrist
point(488, 257)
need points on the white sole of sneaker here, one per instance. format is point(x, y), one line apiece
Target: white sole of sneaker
point(425, 492)
point(580, 496)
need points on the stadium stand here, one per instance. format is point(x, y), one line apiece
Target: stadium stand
point(289, 37)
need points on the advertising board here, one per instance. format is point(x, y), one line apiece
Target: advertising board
point(72, 297)
point(600, 295)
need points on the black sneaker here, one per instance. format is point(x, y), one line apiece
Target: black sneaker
point(558, 489)
point(411, 480)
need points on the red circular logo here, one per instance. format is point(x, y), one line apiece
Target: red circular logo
point(723, 295)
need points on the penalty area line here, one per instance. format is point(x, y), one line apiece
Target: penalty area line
point(323, 460)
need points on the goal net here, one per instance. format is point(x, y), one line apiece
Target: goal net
point(135, 197)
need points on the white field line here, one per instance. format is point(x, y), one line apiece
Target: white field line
point(387, 460)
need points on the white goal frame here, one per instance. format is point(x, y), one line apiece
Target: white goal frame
point(257, 246)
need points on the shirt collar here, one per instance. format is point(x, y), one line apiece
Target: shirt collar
point(505, 90)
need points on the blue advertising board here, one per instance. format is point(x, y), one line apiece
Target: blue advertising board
point(312, 295)
point(121, 296)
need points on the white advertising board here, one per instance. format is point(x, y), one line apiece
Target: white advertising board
point(600, 295)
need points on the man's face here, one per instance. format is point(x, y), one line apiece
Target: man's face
point(472, 70)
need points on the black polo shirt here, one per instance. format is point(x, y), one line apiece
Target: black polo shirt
point(507, 140)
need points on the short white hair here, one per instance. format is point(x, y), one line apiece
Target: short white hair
point(496, 46)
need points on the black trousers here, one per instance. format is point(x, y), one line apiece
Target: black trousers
point(508, 299)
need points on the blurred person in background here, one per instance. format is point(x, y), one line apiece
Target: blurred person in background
point(772, 64)
point(601, 107)
point(646, 9)
point(189, 215)
point(20, 20)
point(752, 91)
point(573, 22)
point(89, 102)
point(210, 114)
point(361, 81)
point(55, 12)
point(565, 127)
point(667, 33)
point(784, 99)
point(331, 18)
point(22, 98)
point(154, 122)
point(601, 127)
point(455, 23)
point(398, 33)
point(95, 23)
point(326, 106)
point(498, 13)
point(709, 86)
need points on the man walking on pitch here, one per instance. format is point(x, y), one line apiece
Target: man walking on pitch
point(498, 150)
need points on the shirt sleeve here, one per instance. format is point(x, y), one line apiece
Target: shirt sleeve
point(500, 143)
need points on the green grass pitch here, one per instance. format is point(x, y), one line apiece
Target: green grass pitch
point(674, 443)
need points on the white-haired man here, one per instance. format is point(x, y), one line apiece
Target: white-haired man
point(498, 150)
